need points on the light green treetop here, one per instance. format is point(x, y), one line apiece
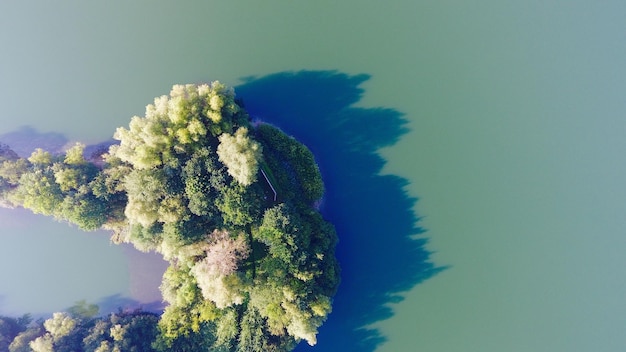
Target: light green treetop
point(241, 155)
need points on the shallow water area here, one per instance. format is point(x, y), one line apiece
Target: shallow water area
point(48, 266)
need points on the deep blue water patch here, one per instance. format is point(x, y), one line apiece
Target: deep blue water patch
point(379, 251)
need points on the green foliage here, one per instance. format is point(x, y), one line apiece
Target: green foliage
point(98, 336)
point(179, 287)
point(10, 328)
point(74, 155)
point(189, 119)
point(241, 155)
point(285, 234)
point(49, 185)
point(239, 206)
point(60, 325)
point(143, 238)
point(42, 344)
point(68, 179)
point(21, 342)
point(12, 170)
point(294, 161)
point(251, 336)
point(227, 329)
point(247, 272)
point(83, 310)
point(40, 157)
point(85, 210)
point(132, 331)
point(145, 190)
point(39, 192)
point(203, 182)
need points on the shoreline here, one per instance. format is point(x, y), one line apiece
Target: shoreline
point(145, 274)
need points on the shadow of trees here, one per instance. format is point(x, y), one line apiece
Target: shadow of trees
point(379, 252)
point(26, 139)
point(118, 302)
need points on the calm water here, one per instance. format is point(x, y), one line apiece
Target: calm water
point(505, 119)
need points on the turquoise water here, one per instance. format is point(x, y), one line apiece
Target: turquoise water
point(501, 124)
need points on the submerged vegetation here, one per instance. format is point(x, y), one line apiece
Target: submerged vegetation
point(229, 204)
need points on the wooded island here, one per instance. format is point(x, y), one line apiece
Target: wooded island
point(228, 203)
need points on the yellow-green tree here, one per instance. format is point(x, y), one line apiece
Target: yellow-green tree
point(241, 155)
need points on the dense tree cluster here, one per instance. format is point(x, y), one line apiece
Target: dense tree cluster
point(228, 204)
point(80, 330)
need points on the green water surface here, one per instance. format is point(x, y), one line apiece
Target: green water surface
point(514, 113)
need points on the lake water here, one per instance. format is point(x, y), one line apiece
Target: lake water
point(473, 153)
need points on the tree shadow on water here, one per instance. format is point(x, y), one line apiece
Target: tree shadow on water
point(117, 302)
point(26, 139)
point(379, 251)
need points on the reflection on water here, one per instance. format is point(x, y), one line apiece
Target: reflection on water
point(118, 302)
point(26, 139)
point(380, 248)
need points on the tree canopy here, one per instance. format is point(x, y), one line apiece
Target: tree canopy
point(229, 204)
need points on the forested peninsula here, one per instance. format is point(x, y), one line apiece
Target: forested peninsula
point(229, 203)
